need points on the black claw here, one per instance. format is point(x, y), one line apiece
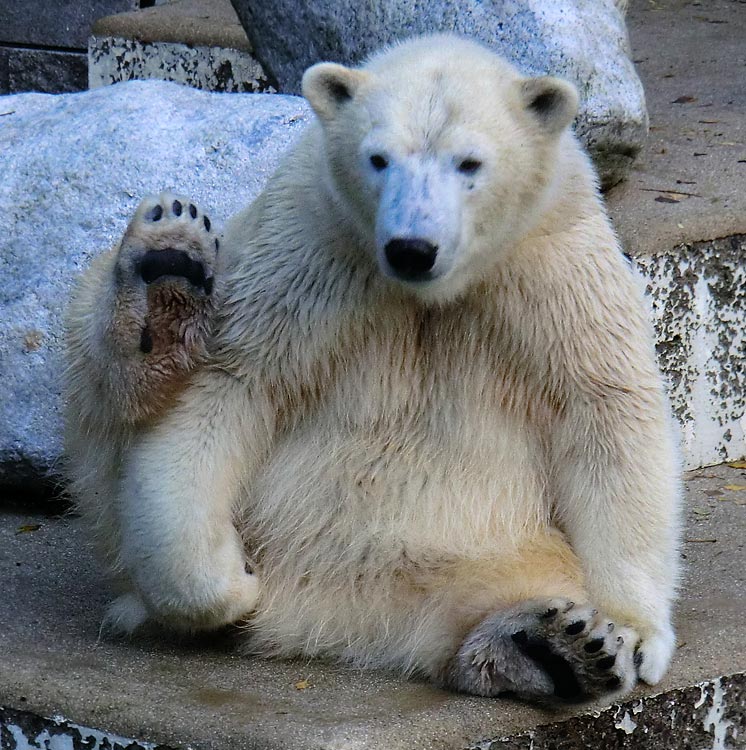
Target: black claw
point(613, 683)
point(595, 645)
point(549, 614)
point(217, 244)
point(193, 210)
point(146, 341)
point(247, 567)
point(207, 286)
point(575, 627)
point(607, 662)
point(207, 223)
point(156, 213)
point(520, 637)
point(176, 208)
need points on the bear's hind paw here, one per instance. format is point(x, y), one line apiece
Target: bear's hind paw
point(550, 651)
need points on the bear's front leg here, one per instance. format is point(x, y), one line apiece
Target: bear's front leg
point(136, 329)
point(619, 503)
point(180, 484)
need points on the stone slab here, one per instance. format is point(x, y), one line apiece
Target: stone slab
point(50, 23)
point(44, 71)
point(74, 169)
point(60, 679)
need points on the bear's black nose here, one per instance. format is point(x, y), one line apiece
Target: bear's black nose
point(410, 258)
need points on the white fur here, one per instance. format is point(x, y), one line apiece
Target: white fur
point(404, 459)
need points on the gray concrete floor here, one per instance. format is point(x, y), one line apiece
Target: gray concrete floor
point(207, 695)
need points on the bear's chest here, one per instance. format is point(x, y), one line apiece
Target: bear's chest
point(436, 370)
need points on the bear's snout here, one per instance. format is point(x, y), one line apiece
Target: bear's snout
point(410, 258)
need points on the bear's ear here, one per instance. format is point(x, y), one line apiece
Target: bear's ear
point(552, 102)
point(328, 86)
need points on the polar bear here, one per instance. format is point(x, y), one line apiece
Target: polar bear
point(405, 412)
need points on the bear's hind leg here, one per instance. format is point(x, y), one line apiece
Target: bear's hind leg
point(523, 623)
point(546, 650)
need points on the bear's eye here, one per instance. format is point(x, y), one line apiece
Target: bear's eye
point(469, 166)
point(378, 162)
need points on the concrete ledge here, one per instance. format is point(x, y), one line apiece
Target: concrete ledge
point(59, 676)
point(198, 43)
point(198, 23)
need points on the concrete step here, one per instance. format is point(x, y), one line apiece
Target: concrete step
point(199, 43)
point(63, 685)
point(682, 212)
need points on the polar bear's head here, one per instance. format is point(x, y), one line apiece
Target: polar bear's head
point(443, 154)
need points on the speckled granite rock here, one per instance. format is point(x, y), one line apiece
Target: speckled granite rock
point(584, 41)
point(74, 168)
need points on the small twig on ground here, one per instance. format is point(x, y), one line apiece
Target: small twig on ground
point(674, 192)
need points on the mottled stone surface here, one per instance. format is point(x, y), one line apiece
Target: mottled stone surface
point(114, 59)
point(708, 715)
point(74, 168)
point(23, 730)
point(44, 71)
point(584, 41)
point(698, 296)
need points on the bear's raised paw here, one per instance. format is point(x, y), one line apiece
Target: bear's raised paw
point(550, 651)
point(165, 273)
point(164, 281)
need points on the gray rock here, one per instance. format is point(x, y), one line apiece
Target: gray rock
point(51, 23)
point(47, 71)
point(584, 41)
point(74, 168)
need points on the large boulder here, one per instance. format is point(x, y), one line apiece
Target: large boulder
point(584, 41)
point(74, 168)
